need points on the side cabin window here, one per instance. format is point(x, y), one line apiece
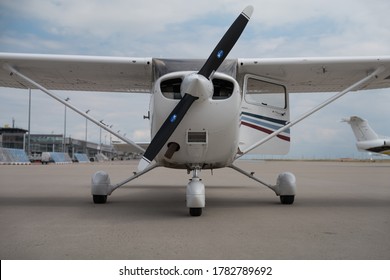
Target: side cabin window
point(264, 93)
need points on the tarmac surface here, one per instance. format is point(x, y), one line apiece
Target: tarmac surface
point(341, 211)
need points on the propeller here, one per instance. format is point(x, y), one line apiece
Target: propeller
point(226, 44)
point(211, 65)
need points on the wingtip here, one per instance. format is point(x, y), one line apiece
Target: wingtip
point(248, 11)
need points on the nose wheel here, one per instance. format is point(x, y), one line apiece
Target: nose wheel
point(196, 212)
point(196, 197)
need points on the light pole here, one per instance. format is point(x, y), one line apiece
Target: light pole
point(29, 124)
point(64, 143)
point(100, 137)
point(111, 150)
point(111, 136)
point(86, 133)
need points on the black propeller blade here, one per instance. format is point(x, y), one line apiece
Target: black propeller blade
point(216, 58)
point(226, 44)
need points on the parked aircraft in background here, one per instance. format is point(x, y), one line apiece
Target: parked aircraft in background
point(366, 138)
point(205, 114)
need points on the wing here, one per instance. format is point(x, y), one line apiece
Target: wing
point(318, 74)
point(126, 74)
point(79, 73)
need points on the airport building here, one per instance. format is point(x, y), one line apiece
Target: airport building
point(12, 138)
point(17, 138)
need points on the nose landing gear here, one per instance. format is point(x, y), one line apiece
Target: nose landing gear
point(196, 197)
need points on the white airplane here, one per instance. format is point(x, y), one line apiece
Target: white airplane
point(204, 114)
point(366, 138)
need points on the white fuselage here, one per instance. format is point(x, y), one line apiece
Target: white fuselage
point(366, 138)
point(208, 135)
point(380, 145)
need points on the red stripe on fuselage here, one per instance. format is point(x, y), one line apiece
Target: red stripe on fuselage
point(265, 130)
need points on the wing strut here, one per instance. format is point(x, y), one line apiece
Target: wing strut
point(355, 86)
point(12, 71)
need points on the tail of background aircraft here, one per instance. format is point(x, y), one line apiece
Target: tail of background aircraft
point(361, 129)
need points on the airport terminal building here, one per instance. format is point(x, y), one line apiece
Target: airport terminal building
point(36, 144)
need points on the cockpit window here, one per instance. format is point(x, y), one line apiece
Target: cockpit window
point(223, 89)
point(171, 88)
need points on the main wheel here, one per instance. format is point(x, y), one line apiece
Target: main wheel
point(287, 199)
point(195, 212)
point(99, 199)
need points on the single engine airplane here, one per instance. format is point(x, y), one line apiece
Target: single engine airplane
point(366, 138)
point(204, 114)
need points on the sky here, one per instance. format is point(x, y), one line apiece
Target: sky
point(191, 29)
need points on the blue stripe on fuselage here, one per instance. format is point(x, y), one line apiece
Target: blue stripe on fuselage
point(260, 120)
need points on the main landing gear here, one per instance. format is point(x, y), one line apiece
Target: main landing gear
point(285, 188)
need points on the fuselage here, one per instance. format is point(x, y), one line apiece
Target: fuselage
point(381, 146)
point(208, 135)
point(366, 138)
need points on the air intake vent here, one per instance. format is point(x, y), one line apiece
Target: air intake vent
point(197, 137)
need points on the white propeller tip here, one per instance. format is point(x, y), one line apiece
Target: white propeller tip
point(248, 11)
point(143, 163)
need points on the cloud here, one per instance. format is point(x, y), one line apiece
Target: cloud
point(175, 29)
point(102, 18)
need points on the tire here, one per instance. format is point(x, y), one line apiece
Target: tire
point(99, 199)
point(287, 199)
point(195, 212)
